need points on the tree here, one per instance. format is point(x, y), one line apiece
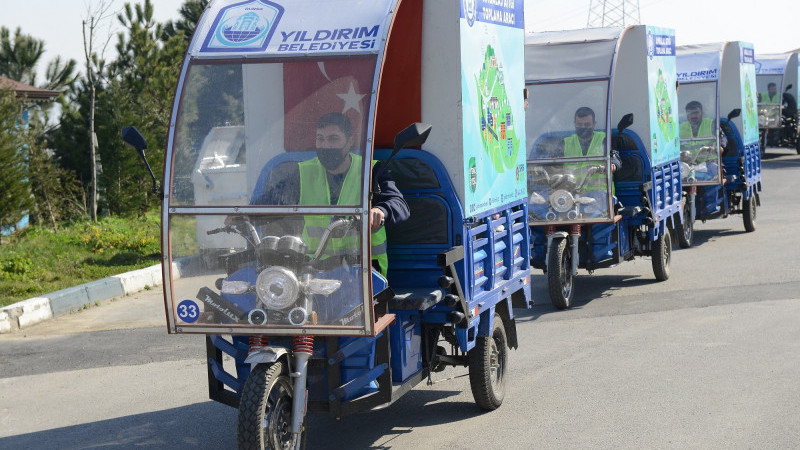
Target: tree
point(135, 89)
point(56, 194)
point(19, 56)
point(90, 25)
point(190, 14)
point(15, 197)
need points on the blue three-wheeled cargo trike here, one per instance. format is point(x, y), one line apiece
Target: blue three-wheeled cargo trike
point(720, 166)
point(290, 124)
point(599, 194)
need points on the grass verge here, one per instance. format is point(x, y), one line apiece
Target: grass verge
point(38, 260)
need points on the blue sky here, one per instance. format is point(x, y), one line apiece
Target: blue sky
point(770, 24)
point(58, 23)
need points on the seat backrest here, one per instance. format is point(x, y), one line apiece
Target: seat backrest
point(413, 245)
point(548, 146)
point(427, 223)
point(632, 164)
point(272, 164)
point(732, 134)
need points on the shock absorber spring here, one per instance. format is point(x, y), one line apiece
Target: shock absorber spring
point(304, 344)
point(258, 341)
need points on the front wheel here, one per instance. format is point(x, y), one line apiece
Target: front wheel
point(662, 253)
point(685, 231)
point(488, 363)
point(749, 214)
point(265, 410)
point(560, 281)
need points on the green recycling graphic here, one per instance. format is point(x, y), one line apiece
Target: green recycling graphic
point(664, 108)
point(497, 122)
point(749, 106)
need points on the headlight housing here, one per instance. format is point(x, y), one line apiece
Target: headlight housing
point(277, 288)
point(561, 200)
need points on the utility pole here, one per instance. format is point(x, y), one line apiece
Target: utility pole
point(613, 13)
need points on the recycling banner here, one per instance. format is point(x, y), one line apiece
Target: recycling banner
point(747, 80)
point(663, 95)
point(493, 109)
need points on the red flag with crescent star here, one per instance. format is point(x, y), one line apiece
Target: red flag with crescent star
point(315, 88)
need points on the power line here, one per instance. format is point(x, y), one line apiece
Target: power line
point(613, 13)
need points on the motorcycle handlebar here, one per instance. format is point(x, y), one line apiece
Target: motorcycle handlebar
point(220, 230)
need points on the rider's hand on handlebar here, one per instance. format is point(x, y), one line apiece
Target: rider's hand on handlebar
point(376, 218)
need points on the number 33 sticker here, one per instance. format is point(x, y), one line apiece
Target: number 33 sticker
point(188, 311)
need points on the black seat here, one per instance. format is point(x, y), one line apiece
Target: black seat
point(731, 149)
point(631, 169)
point(415, 299)
point(623, 142)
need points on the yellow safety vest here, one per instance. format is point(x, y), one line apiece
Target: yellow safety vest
point(765, 98)
point(314, 190)
point(572, 149)
point(706, 129)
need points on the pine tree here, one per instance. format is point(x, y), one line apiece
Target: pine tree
point(15, 198)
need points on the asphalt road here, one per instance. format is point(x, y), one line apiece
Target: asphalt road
point(708, 359)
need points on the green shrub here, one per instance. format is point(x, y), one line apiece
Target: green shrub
point(15, 265)
point(39, 260)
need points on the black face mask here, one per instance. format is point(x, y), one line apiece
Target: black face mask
point(584, 133)
point(331, 158)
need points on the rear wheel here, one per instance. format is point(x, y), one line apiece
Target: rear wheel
point(265, 410)
point(662, 254)
point(749, 214)
point(488, 363)
point(685, 231)
point(560, 281)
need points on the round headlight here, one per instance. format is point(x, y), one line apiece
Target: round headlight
point(561, 200)
point(277, 288)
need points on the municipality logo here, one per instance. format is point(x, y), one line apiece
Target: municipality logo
point(651, 44)
point(244, 27)
point(470, 11)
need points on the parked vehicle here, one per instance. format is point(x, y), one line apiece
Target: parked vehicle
point(720, 166)
point(297, 316)
point(583, 212)
point(777, 104)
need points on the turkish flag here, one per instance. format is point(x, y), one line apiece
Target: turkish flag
point(315, 88)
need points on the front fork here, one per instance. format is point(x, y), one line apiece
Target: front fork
point(691, 204)
point(549, 230)
point(574, 234)
point(303, 348)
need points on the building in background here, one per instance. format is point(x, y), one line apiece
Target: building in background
point(30, 96)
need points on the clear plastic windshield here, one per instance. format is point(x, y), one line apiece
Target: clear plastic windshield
point(238, 123)
point(769, 100)
point(567, 193)
point(275, 137)
point(699, 125)
point(561, 113)
point(268, 272)
point(567, 122)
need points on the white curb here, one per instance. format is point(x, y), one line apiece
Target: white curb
point(34, 310)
